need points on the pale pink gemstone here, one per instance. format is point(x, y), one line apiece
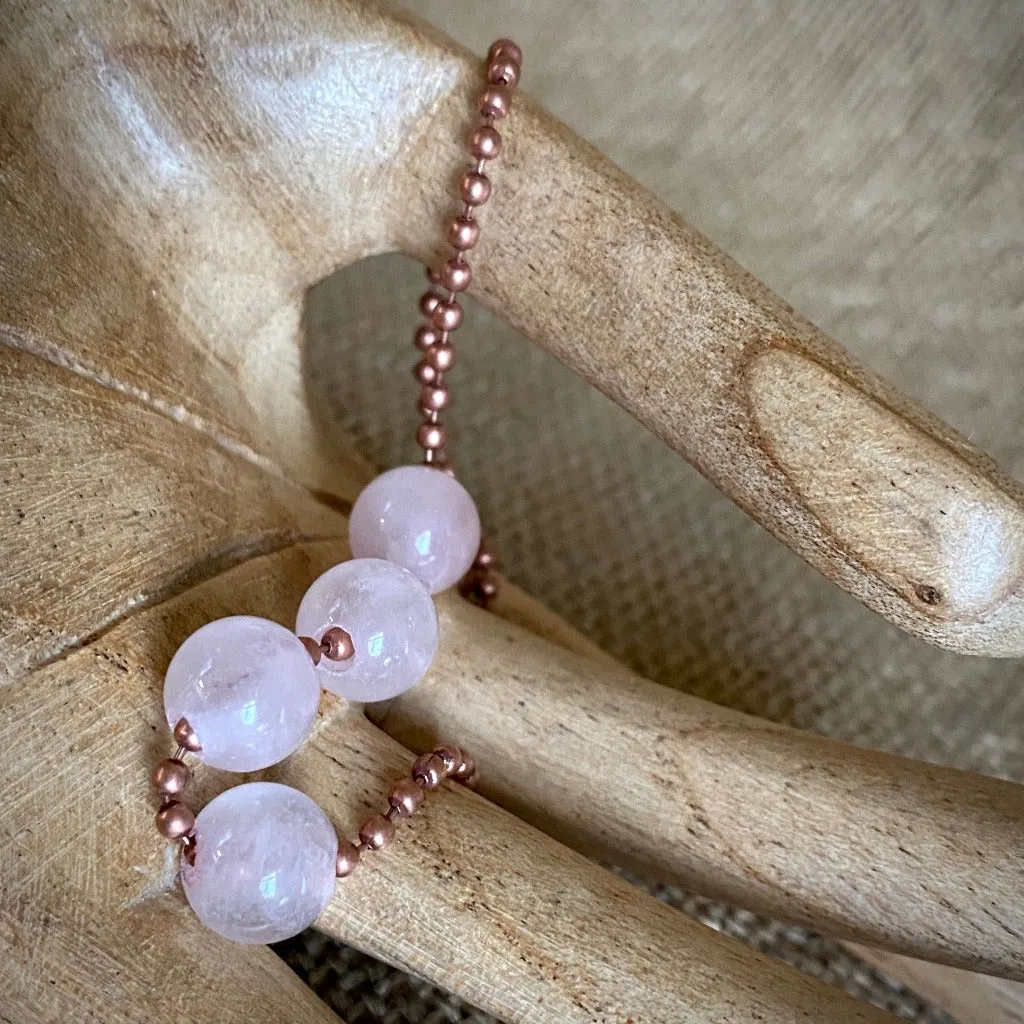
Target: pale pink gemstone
point(421, 519)
point(247, 687)
point(390, 617)
point(264, 863)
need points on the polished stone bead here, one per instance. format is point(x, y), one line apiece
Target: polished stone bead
point(390, 617)
point(420, 519)
point(264, 865)
point(247, 687)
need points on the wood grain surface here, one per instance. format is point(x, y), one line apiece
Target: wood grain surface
point(889, 852)
point(168, 143)
point(172, 183)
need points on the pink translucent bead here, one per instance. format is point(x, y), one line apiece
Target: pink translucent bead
point(264, 863)
point(390, 617)
point(421, 519)
point(247, 687)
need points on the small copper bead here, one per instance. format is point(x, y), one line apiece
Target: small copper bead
point(425, 373)
point(463, 233)
point(475, 188)
point(425, 336)
point(450, 755)
point(431, 436)
point(376, 832)
point(495, 101)
point(312, 649)
point(485, 142)
point(336, 644)
point(405, 797)
point(466, 768)
point(485, 558)
point(171, 777)
point(456, 275)
point(502, 71)
point(505, 48)
point(432, 275)
point(487, 589)
point(347, 860)
point(188, 849)
point(441, 357)
point(428, 303)
point(447, 316)
point(185, 735)
point(175, 820)
point(433, 397)
point(428, 771)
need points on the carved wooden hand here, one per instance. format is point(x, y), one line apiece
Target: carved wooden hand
point(175, 178)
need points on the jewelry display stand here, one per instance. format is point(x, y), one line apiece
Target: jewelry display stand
point(173, 185)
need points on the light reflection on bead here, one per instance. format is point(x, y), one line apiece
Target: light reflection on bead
point(390, 617)
point(247, 687)
point(420, 519)
point(265, 862)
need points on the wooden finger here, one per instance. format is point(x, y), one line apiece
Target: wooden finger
point(201, 258)
point(866, 846)
point(475, 900)
point(467, 896)
point(64, 957)
point(81, 727)
point(970, 997)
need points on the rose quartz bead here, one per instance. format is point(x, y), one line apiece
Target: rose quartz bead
point(248, 689)
point(264, 863)
point(392, 621)
point(420, 519)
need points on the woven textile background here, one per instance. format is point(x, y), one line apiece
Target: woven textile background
point(866, 160)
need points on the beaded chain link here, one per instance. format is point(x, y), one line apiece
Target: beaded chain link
point(175, 819)
point(439, 305)
point(259, 862)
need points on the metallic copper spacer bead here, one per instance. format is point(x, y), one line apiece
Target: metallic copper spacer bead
point(376, 832)
point(505, 48)
point(447, 315)
point(185, 735)
point(475, 188)
point(495, 102)
point(312, 649)
point(425, 373)
point(405, 797)
point(428, 303)
point(347, 860)
point(425, 336)
point(502, 71)
point(336, 644)
point(188, 848)
point(428, 771)
point(171, 777)
point(463, 233)
point(431, 436)
point(485, 142)
point(465, 769)
point(441, 357)
point(485, 558)
point(174, 820)
point(450, 755)
point(433, 397)
point(456, 274)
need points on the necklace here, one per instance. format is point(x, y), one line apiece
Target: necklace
point(259, 862)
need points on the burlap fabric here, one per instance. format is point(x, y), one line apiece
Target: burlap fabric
point(865, 159)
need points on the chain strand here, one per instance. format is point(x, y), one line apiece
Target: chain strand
point(439, 305)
